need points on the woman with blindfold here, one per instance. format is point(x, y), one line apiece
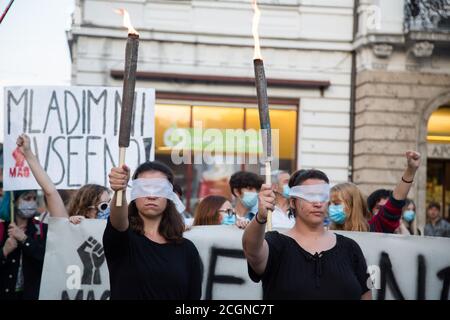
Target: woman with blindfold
point(308, 261)
point(91, 201)
point(147, 256)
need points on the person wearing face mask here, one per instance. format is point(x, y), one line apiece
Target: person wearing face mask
point(347, 210)
point(22, 244)
point(216, 210)
point(280, 215)
point(408, 225)
point(245, 187)
point(91, 201)
point(306, 261)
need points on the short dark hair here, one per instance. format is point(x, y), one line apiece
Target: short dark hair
point(434, 204)
point(245, 179)
point(300, 176)
point(376, 196)
point(19, 193)
point(171, 226)
point(408, 202)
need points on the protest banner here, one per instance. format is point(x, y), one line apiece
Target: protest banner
point(74, 133)
point(408, 267)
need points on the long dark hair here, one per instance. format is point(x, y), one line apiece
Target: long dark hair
point(171, 226)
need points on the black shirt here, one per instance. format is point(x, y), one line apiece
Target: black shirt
point(294, 273)
point(140, 268)
point(32, 252)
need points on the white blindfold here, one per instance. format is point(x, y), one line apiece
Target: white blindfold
point(155, 187)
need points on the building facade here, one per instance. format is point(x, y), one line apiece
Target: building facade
point(198, 55)
point(352, 84)
point(402, 97)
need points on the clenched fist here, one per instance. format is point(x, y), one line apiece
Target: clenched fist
point(118, 178)
point(266, 201)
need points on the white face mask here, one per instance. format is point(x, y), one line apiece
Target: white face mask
point(27, 209)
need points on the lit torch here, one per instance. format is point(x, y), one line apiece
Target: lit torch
point(6, 11)
point(129, 81)
point(263, 102)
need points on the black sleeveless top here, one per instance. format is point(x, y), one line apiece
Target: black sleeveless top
point(294, 273)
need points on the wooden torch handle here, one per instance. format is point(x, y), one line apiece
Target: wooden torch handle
point(119, 193)
point(269, 182)
point(11, 207)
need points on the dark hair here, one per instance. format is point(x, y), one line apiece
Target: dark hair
point(408, 202)
point(171, 226)
point(300, 176)
point(375, 197)
point(19, 193)
point(434, 204)
point(245, 179)
point(178, 190)
point(207, 211)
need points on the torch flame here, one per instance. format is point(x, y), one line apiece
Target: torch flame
point(126, 21)
point(256, 16)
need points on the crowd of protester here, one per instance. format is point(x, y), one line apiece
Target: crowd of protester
point(146, 233)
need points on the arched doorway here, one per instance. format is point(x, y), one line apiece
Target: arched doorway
point(428, 150)
point(438, 159)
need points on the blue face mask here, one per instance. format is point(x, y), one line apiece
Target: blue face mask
point(229, 219)
point(286, 190)
point(409, 215)
point(254, 209)
point(336, 213)
point(250, 199)
point(104, 215)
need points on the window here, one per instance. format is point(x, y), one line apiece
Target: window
point(439, 126)
point(438, 170)
point(173, 123)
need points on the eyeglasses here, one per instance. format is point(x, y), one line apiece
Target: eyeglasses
point(228, 212)
point(102, 206)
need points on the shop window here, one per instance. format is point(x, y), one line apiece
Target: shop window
point(198, 178)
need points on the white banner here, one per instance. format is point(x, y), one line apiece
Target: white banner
point(74, 265)
point(74, 133)
point(407, 267)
